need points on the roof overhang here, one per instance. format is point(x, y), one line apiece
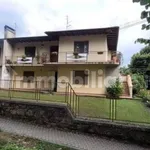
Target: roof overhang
point(111, 32)
point(31, 39)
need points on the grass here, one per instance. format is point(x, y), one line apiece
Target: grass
point(128, 110)
point(15, 142)
point(32, 96)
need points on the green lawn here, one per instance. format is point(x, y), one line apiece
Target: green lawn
point(128, 110)
point(32, 96)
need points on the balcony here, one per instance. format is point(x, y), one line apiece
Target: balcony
point(22, 61)
point(95, 57)
point(102, 57)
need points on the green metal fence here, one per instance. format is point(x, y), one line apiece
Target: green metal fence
point(122, 110)
point(40, 91)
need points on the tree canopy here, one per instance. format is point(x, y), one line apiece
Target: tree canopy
point(140, 62)
point(145, 14)
point(124, 70)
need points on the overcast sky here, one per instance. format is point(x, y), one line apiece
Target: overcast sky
point(33, 17)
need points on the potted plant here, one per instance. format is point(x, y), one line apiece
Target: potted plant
point(8, 61)
point(23, 58)
point(76, 54)
point(43, 59)
point(54, 53)
point(114, 58)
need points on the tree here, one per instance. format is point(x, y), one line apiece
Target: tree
point(124, 70)
point(145, 14)
point(140, 62)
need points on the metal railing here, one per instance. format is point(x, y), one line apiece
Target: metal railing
point(72, 100)
point(40, 91)
point(120, 110)
point(19, 60)
point(65, 57)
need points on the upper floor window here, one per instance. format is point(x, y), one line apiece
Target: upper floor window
point(81, 46)
point(30, 51)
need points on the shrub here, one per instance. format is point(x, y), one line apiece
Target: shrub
point(115, 90)
point(143, 93)
point(138, 83)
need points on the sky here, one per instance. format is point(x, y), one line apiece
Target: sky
point(34, 17)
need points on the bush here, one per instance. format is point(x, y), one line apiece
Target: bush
point(138, 83)
point(115, 90)
point(143, 94)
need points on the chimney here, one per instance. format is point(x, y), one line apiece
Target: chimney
point(9, 32)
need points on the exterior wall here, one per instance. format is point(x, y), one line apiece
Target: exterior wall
point(19, 49)
point(42, 74)
point(7, 50)
point(6, 73)
point(109, 55)
point(97, 43)
point(98, 77)
point(1, 52)
point(111, 74)
point(95, 78)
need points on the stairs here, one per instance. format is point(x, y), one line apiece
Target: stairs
point(125, 89)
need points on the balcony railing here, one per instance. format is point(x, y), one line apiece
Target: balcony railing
point(66, 57)
point(20, 60)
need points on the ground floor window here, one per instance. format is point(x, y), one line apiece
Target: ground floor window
point(28, 76)
point(80, 77)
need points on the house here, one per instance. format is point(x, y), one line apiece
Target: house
point(87, 59)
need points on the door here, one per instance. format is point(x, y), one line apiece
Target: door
point(54, 54)
point(56, 77)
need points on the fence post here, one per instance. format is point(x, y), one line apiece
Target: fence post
point(9, 91)
point(73, 104)
point(66, 94)
point(115, 109)
point(110, 109)
point(36, 90)
point(78, 105)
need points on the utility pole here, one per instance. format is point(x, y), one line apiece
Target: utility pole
point(67, 22)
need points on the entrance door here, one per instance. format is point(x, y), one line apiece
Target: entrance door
point(55, 85)
point(54, 54)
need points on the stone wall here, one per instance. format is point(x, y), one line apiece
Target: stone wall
point(38, 113)
point(53, 115)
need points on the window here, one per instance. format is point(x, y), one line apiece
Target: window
point(81, 46)
point(80, 77)
point(28, 76)
point(30, 51)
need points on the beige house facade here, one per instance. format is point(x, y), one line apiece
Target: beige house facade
point(86, 59)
